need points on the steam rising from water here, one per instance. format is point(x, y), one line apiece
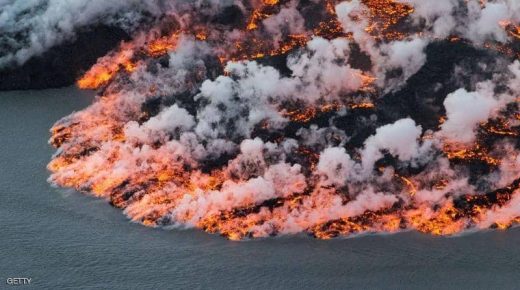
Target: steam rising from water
point(254, 118)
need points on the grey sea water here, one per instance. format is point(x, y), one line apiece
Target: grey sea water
point(65, 240)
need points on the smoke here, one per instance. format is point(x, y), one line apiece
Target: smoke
point(438, 15)
point(171, 121)
point(336, 166)
point(279, 122)
point(398, 139)
point(29, 28)
point(407, 55)
point(485, 23)
point(475, 21)
point(288, 20)
point(465, 110)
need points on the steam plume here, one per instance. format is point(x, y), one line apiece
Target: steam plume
point(279, 122)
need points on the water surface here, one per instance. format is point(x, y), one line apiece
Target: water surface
point(63, 239)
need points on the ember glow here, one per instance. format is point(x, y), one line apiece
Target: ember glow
point(306, 116)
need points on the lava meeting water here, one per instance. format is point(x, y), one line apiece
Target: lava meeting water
point(62, 238)
point(331, 118)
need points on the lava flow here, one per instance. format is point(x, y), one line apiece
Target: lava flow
point(331, 118)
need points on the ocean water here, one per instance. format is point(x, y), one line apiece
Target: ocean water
point(66, 240)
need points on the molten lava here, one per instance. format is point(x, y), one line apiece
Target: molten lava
point(265, 126)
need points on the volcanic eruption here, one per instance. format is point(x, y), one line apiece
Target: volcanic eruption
point(256, 118)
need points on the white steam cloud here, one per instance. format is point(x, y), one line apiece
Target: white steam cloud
point(226, 153)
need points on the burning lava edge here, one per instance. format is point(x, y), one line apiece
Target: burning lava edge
point(247, 138)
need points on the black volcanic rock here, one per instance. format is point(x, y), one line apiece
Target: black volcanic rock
point(63, 64)
point(231, 15)
point(422, 97)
